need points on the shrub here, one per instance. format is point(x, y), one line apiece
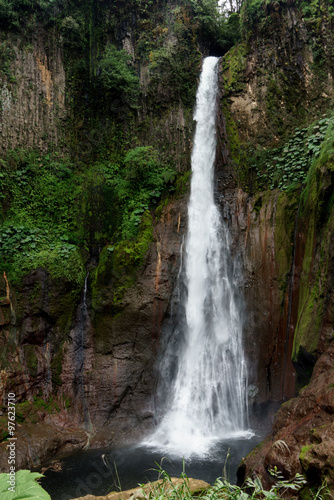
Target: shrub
point(117, 76)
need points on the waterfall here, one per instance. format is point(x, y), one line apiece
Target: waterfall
point(79, 335)
point(203, 368)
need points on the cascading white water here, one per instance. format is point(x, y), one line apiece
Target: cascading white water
point(207, 400)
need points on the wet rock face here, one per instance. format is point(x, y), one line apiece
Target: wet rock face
point(265, 241)
point(302, 439)
point(276, 80)
point(262, 231)
point(266, 86)
point(40, 442)
point(96, 365)
point(121, 384)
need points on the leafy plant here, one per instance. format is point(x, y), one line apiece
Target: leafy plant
point(40, 215)
point(220, 29)
point(26, 487)
point(167, 488)
point(138, 181)
point(287, 165)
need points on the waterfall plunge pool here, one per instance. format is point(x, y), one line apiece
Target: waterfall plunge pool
point(85, 472)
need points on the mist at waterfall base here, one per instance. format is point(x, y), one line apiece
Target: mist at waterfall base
point(201, 400)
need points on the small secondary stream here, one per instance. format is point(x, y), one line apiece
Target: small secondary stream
point(203, 369)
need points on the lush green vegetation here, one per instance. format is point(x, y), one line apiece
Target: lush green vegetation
point(165, 488)
point(286, 166)
point(117, 76)
point(138, 182)
point(52, 209)
point(39, 215)
point(262, 13)
point(218, 30)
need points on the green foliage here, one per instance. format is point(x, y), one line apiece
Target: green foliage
point(220, 31)
point(51, 210)
point(165, 488)
point(73, 31)
point(17, 15)
point(234, 68)
point(256, 14)
point(182, 183)
point(121, 262)
point(286, 167)
point(7, 55)
point(27, 249)
point(117, 76)
point(314, 9)
point(137, 181)
point(175, 69)
point(26, 487)
point(39, 196)
point(252, 12)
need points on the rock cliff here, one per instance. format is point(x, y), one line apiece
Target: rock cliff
point(81, 353)
point(274, 84)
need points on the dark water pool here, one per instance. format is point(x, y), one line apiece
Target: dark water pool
point(85, 472)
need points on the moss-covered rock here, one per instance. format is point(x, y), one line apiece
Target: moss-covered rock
point(118, 265)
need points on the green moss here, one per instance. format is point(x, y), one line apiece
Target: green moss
point(237, 150)
point(120, 263)
point(303, 457)
point(285, 219)
point(50, 406)
point(258, 203)
point(63, 306)
point(30, 412)
point(288, 403)
point(318, 220)
point(234, 65)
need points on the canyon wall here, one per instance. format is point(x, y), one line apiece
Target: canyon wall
point(279, 81)
point(84, 361)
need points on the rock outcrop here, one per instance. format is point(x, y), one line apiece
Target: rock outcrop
point(302, 438)
point(189, 485)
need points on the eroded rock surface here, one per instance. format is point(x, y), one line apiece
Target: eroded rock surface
point(302, 438)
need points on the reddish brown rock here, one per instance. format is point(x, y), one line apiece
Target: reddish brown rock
point(302, 439)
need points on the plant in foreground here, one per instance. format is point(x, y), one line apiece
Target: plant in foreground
point(22, 485)
point(167, 487)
